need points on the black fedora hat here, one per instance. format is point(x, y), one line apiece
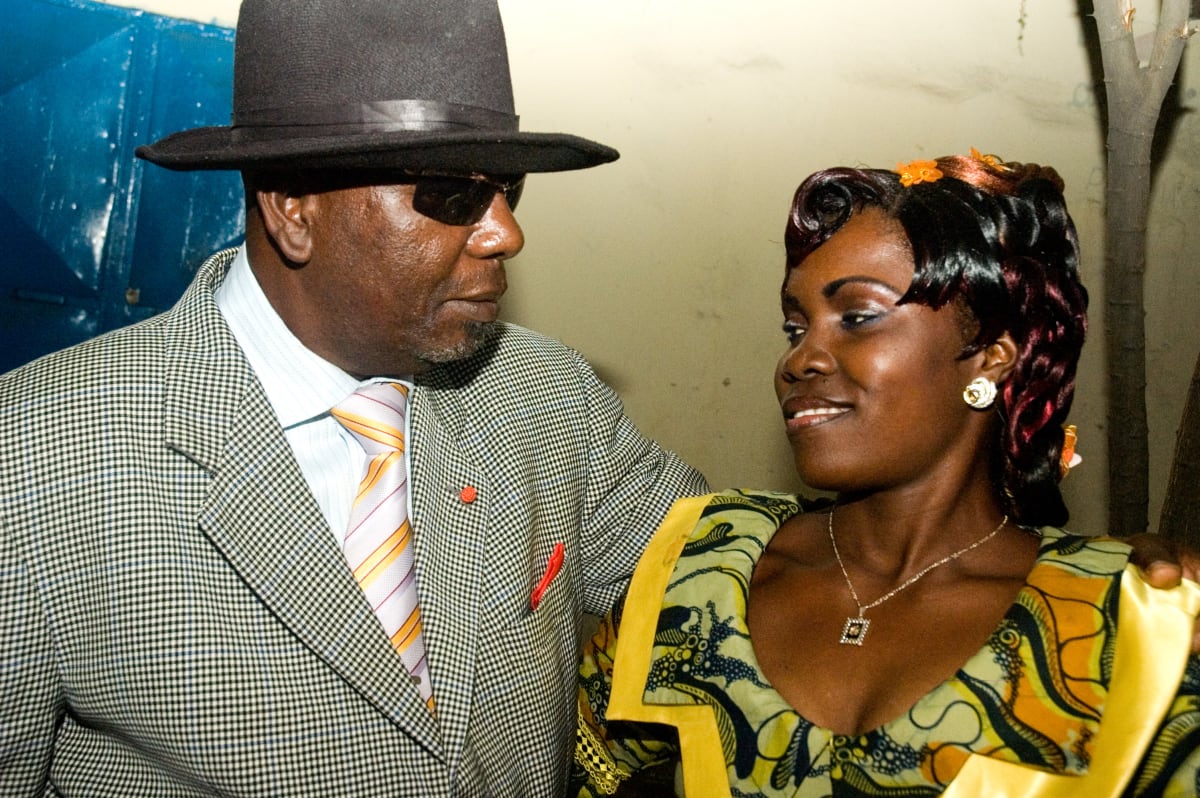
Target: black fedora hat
point(368, 84)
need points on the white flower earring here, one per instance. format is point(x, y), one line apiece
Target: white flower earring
point(980, 393)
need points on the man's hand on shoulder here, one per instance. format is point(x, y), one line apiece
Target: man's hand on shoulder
point(1164, 563)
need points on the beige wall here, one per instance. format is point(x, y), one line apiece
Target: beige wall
point(664, 267)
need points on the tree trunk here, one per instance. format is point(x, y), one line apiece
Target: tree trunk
point(1180, 518)
point(1135, 94)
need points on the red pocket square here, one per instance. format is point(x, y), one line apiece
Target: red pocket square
point(552, 569)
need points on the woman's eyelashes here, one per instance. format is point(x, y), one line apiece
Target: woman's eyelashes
point(854, 319)
point(848, 320)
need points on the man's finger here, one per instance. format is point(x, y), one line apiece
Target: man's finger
point(1158, 558)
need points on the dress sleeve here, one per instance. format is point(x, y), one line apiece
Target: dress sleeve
point(606, 757)
point(1171, 765)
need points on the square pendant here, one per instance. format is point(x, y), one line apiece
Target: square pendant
point(854, 631)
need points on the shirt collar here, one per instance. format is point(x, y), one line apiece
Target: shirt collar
point(300, 385)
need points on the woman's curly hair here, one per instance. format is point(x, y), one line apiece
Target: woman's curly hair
point(994, 238)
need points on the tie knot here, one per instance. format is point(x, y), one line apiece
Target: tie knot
point(374, 415)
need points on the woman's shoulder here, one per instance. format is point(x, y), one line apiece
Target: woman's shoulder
point(772, 504)
point(1088, 555)
point(736, 514)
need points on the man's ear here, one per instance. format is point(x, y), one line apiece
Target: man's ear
point(286, 218)
point(999, 358)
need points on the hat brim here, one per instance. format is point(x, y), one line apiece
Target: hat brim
point(495, 152)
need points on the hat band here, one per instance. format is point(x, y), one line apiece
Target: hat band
point(381, 116)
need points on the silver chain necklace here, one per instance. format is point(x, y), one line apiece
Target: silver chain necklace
point(855, 630)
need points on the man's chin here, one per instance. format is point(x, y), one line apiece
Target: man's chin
point(475, 335)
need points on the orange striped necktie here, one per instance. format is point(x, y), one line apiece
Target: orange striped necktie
point(378, 544)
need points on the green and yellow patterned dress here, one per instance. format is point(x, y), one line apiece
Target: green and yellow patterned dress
point(1040, 694)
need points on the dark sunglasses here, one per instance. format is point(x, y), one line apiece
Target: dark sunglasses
point(462, 200)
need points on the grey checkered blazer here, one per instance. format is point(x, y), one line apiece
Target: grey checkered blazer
point(175, 615)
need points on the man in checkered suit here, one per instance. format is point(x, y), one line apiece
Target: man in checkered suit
point(176, 615)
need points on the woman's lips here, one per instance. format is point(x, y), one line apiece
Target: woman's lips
point(806, 415)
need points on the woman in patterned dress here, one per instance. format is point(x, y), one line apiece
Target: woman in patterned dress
point(932, 630)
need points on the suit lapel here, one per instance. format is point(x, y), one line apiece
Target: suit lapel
point(260, 514)
point(450, 537)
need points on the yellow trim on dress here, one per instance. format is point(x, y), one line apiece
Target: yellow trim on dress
point(699, 744)
point(1153, 643)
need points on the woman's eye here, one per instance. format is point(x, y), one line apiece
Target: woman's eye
point(793, 331)
point(857, 318)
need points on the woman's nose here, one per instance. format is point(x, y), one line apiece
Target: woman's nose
point(808, 358)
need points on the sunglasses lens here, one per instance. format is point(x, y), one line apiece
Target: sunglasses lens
point(452, 200)
point(460, 200)
point(512, 192)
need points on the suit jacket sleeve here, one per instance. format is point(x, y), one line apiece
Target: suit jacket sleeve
point(30, 692)
point(631, 486)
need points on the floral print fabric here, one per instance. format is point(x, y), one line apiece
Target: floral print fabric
point(1034, 693)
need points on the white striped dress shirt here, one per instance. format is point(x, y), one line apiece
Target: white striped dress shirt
point(301, 387)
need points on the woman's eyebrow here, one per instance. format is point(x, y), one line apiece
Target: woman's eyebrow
point(836, 285)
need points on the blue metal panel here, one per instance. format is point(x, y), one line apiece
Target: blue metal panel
point(91, 238)
point(184, 216)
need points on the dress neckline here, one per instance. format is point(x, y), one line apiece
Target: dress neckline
point(980, 676)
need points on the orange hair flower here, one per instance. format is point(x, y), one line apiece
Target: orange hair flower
point(1069, 459)
point(918, 171)
point(993, 162)
point(990, 160)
